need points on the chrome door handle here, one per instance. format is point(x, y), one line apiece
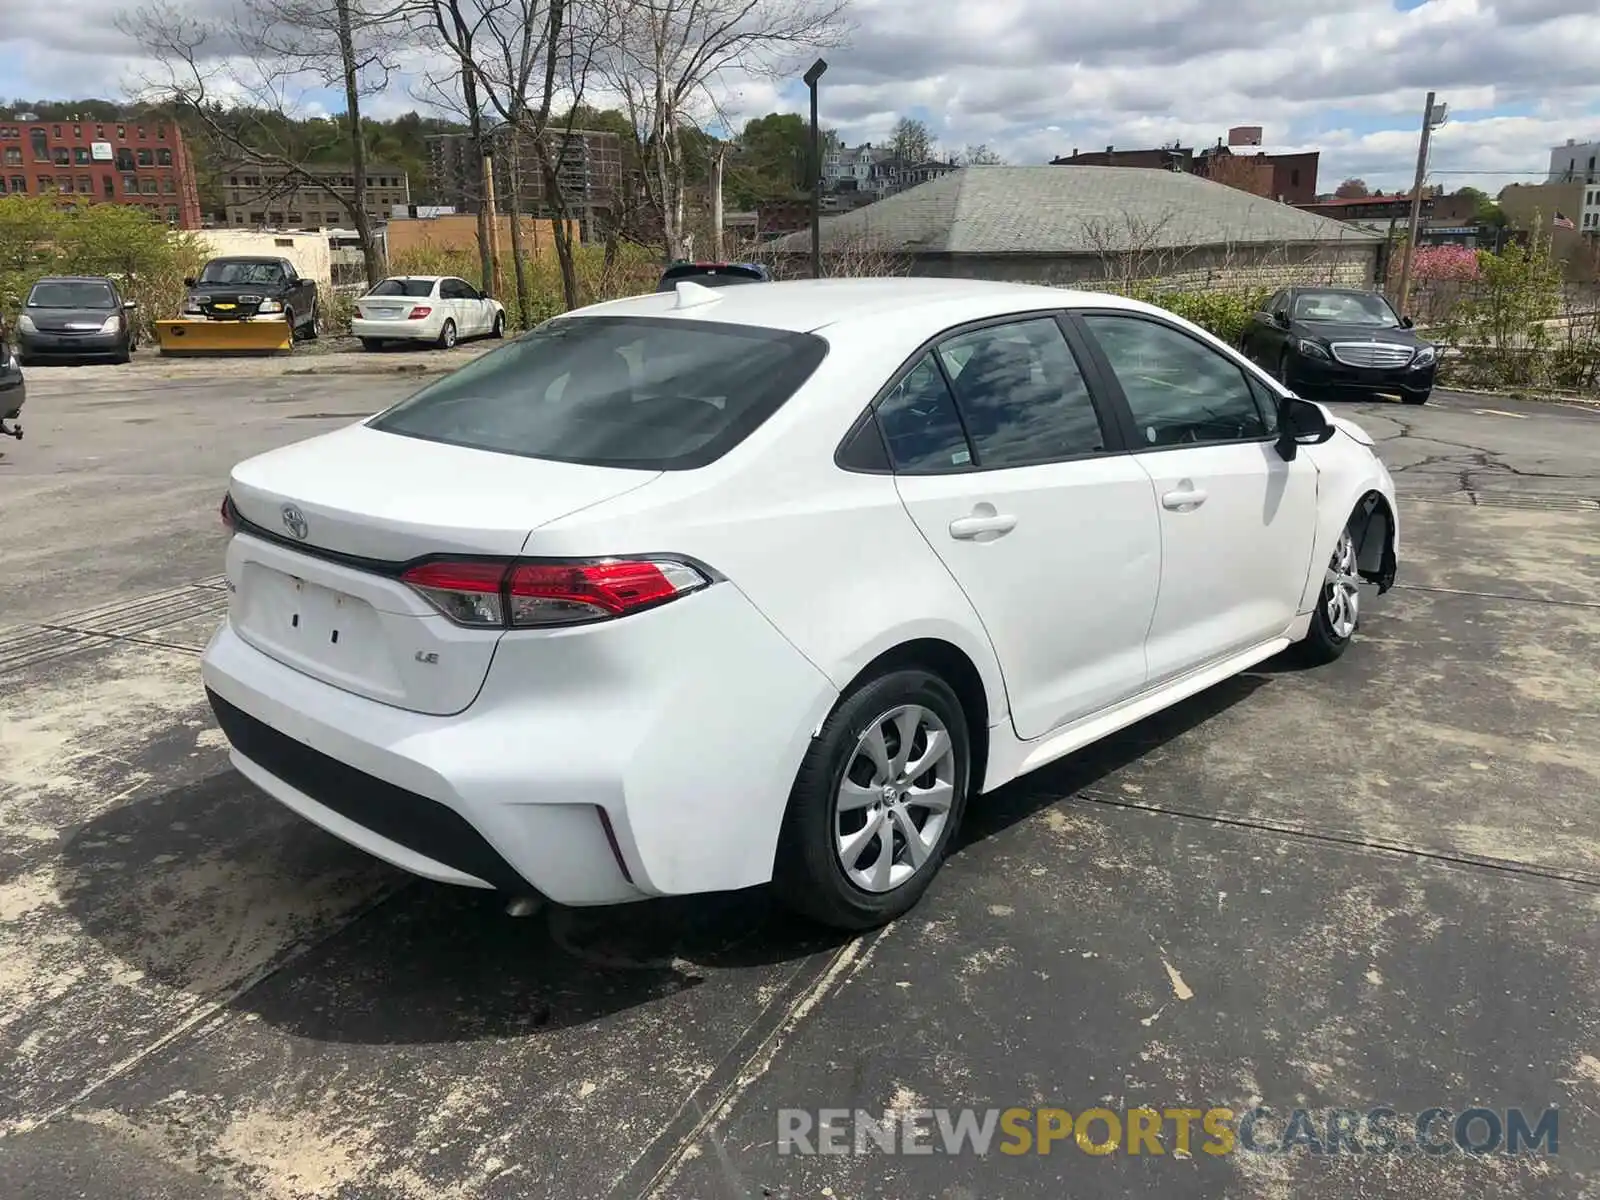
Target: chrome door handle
point(968, 528)
point(1183, 500)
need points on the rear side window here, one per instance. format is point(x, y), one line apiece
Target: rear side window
point(920, 423)
point(647, 393)
point(1021, 393)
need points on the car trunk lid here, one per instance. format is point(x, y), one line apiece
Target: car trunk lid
point(326, 526)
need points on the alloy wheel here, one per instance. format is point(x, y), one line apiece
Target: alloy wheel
point(894, 799)
point(1343, 601)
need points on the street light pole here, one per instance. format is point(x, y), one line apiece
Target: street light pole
point(811, 77)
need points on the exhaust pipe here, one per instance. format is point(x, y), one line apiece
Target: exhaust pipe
point(523, 906)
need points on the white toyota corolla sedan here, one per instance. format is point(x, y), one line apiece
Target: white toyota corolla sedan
point(697, 590)
point(440, 309)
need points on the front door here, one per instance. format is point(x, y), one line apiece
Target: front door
point(1023, 491)
point(1237, 521)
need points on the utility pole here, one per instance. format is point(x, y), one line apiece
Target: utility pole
point(492, 284)
point(1416, 205)
point(716, 201)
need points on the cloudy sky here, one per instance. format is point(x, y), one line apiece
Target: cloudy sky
point(1037, 78)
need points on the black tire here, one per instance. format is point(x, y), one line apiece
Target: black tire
point(294, 332)
point(371, 343)
point(1322, 643)
point(499, 330)
point(807, 875)
point(313, 328)
point(124, 352)
point(1415, 397)
point(447, 335)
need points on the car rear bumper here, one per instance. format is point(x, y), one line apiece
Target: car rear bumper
point(425, 329)
point(1321, 375)
point(684, 727)
point(69, 345)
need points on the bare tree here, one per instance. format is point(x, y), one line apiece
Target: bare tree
point(979, 155)
point(668, 55)
point(520, 56)
point(458, 89)
point(281, 45)
point(911, 141)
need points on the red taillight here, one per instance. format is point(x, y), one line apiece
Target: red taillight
point(227, 512)
point(419, 312)
point(531, 595)
point(469, 593)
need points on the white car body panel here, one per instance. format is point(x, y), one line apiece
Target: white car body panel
point(1083, 529)
point(1243, 546)
point(685, 724)
point(386, 318)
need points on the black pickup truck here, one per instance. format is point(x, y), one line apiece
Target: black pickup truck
point(233, 289)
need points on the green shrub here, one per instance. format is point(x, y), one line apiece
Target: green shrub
point(147, 259)
point(1223, 314)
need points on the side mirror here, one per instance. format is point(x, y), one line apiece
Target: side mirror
point(188, 281)
point(1406, 323)
point(1300, 423)
point(1282, 318)
point(130, 304)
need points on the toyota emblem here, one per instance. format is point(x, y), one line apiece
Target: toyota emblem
point(295, 522)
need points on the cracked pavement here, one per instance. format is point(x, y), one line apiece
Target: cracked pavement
point(1374, 883)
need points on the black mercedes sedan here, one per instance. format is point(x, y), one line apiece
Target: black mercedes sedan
point(75, 317)
point(1340, 341)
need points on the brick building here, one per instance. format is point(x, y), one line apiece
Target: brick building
point(589, 168)
point(137, 159)
point(1289, 178)
point(256, 195)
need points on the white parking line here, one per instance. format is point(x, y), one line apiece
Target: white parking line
point(1500, 412)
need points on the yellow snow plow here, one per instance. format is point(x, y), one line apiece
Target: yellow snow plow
point(206, 336)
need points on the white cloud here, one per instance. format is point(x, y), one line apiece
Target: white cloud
point(1036, 78)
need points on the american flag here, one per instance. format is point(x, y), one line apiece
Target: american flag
point(1562, 222)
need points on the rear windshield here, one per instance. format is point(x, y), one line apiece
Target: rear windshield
point(403, 287)
point(71, 293)
point(647, 393)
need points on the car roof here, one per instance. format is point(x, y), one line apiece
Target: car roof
point(421, 278)
point(72, 279)
point(807, 305)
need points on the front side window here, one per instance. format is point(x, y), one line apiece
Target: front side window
point(655, 394)
point(1179, 390)
point(920, 424)
point(1021, 394)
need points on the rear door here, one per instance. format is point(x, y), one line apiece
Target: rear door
point(1025, 491)
point(462, 308)
point(1237, 521)
point(482, 307)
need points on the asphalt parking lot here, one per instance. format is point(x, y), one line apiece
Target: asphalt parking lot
point(1373, 884)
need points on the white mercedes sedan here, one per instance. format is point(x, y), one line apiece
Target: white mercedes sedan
point(440, 309)
point(699, 590)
